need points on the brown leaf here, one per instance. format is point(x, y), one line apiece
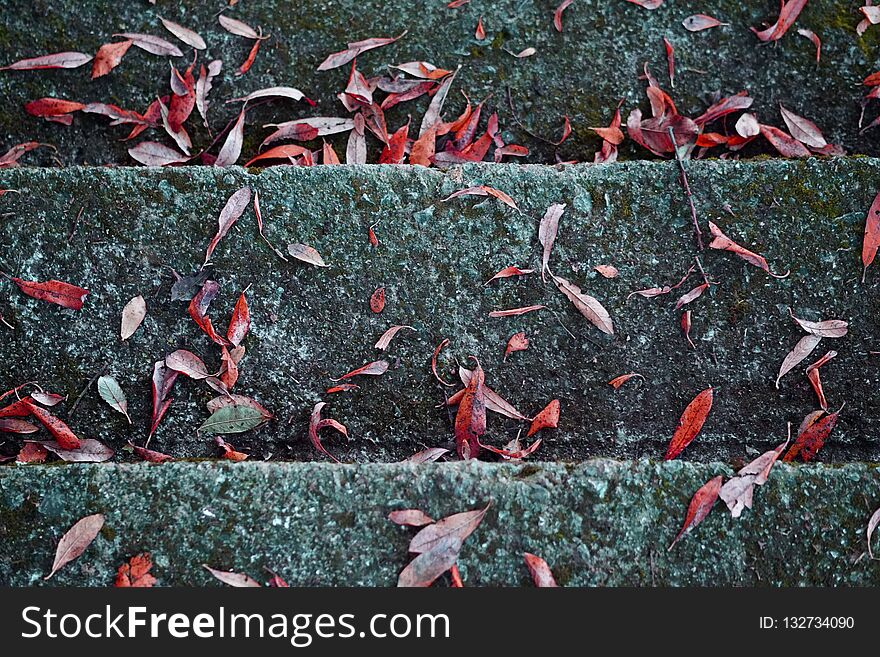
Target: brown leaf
point(700, 506)
point(686, 327)
point(377, 300)
point(459, 525)
point(546, 419)
point(187, 363)
point(186, 35)
point(89, 451)
point(237, 27)
point(737, 492)
point(56, 60)
point(426, 455)
point(470, 420)
point(152, 44)
point(507, 272)
point(588, 306)
point(343, 57)
point(699, 22)
point(307, 254)
point(136, 572)
point(410, 518)
point(722, 242)
point(517, 342)
point(234, 208)
point(547, 231)
point(513, 312)
point(238, 580)
point(483, 190)
point(692, 295)
point(76, 540)
point(154, 154)
point(132, 316)
point(812, 36)
point(429, 565)
point(376, 368)
point(494, 402)
point(607, 271)
point(872, 525)
point(240, 323)
point(872, 235)
point(804, 130)
point(149, 455)
point(785, 144)
point(15, 425)
point(801, 350)
point(690, 423)
point(231, 149)
point(538, 568)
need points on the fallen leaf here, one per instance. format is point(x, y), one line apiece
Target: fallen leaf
point(738, 490)
point(231, 149)
point(872, 525)
point(587, 306)
point(517, 342)
point(154, 154)
point(686, 327)
point(546, 419)
point(700, 506)
point(787, 16)
point(699, 22)
point(607, 271)
point(152, 44)
point(410, 518)
point(375, 368)
point(316, 424)
point(234, 208)
point(804, 130)
point(161, 383)
point(692, 295)
point(15, 425)
point(233, 418)
point(470, 420)
point(547, 231)
point(690, 423)
point(647, 4)
point(229, 452)
point(47, 398)
point(812, 36)
point(57, 292)
point(538, 568)
point(722, 242)
point(307, 254)
point(237, 27)
point(240, 323)
point(513, 312)
point(108, 57)
point(32, 453)
point(187, 363)
point(507, 272)
point(354, 49)
point(429, 565)
point(132, 317)
point(237, 400)
point(150, 455)
point(494, 402)
point(56, 60)
point(426, 455)
point(88, 451)
point(59, 430)
point(557, 14)
point(388, 336)
point(186, 35)
point(459, 525)
point(801, 350)
point(528, 52)
point(816, 380)
point(480, 32)
point(786, 145)
point(136, 572)
point(112, 393)
point(618, 381)
point(872, 235)
point(829, 328)
point(238, 580)
point(377, 300)
point(76, 540)
point(812, 436)
point(483, 190)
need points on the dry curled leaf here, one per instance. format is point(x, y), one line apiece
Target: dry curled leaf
point(588, 306)
point(316, 424)
point(799, 352)
point(547, 231)
point(738, 490)
point(383, 342)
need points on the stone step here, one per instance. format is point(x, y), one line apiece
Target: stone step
point(582, 72)
point(118, 232)
point(601, 522)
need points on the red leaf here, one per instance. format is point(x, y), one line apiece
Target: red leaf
point(872, 235)
point(234, 208)
point(76, 540)
point(829, 328)
point(32, 453)
point(787, 16)
point(108, 57)
point(342, 387)
point(700, 506)
point(816, 380)
point(410, 518)
point(724, 243)
point(316, 424)
point(15, 425)
point(57, 292)
point(150, 455)
point(557, 14)
point(198, 309)
point(284, 152)
point(377, 300)
point(699, 22)
point(47, 107)
point(690, 423)
point(136, 573)
point(249, 61)
point(687, 297)
point(162, 381)
point(618, 381)
point(240, 323)
point(229, 452)
point(436, 353)
point(395, 151)
point(517, 342)
point(59, 430)
point(786, 145)
point(514, 311)
point(510, 271)
point(539, 570)
point(725, 106)
point(470, 420)
point(57, 60)
point(480, 32)
point(546, 419)
point(686, 327)
point(647, 4)
point(376, 368)
point(670, 61)
point(812, 436)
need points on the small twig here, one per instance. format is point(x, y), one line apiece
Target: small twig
point(75, 224)
point(703, 272)
point(698, 234)
point(85, 390)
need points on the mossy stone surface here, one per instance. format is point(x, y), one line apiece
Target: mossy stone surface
point(314, 324)
point(599, 523)
point(582, 72)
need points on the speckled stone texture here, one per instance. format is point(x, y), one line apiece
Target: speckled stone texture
point(582, 72)
point(434, 257)
point(598, 523)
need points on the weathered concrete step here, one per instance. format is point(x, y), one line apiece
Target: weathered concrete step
point(310, 324)
point(582, 72)
point(601, 522)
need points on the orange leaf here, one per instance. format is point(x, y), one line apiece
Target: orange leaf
point(546, 419)
point(690, 423)
point(538, 568)
point(470, 420)
point(136, 573)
